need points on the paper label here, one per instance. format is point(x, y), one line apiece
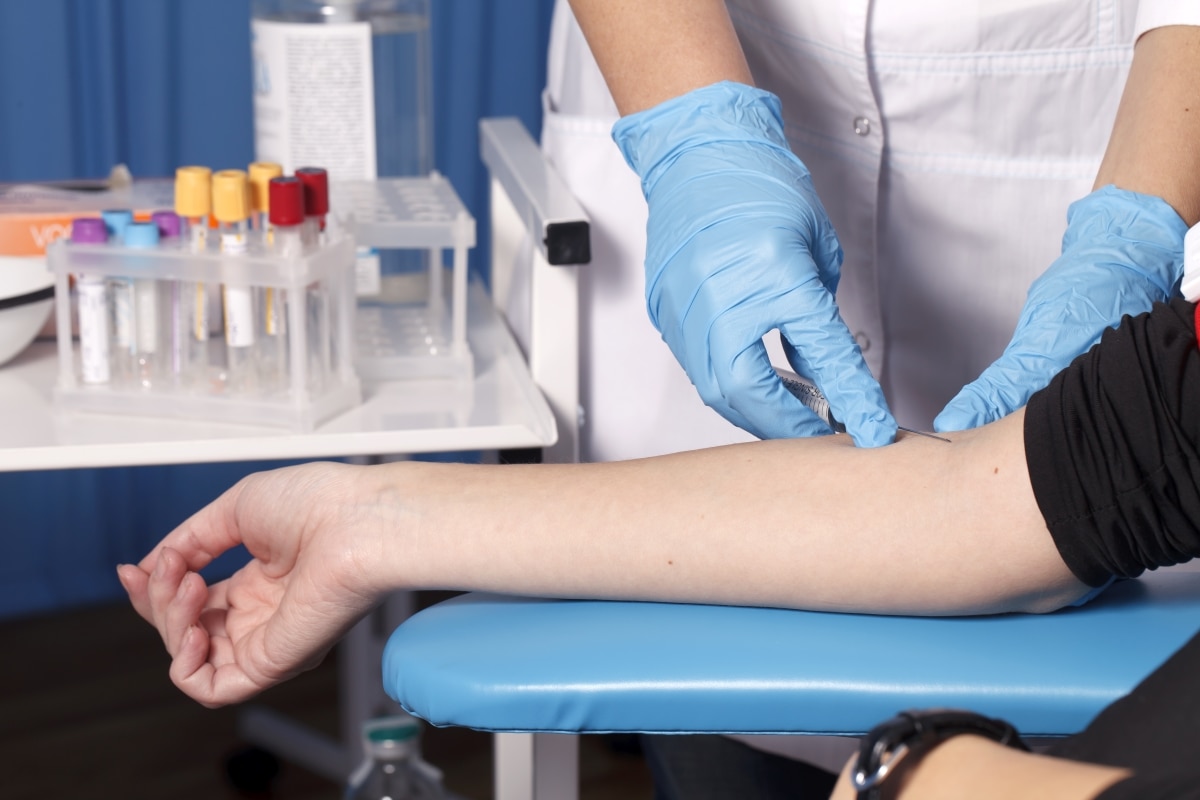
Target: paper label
point(200, 313)
point(146, 302)
point(93, 330)
point(368, 280)
point(122, 309)
point(233, 242)
point(239, 316)
point(314, 97)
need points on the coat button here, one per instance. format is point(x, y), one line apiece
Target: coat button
point(863, 341)
point(862, 126)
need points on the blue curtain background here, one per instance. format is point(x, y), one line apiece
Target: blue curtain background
point(155, 84)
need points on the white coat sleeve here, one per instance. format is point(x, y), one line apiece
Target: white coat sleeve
point(1159, 13)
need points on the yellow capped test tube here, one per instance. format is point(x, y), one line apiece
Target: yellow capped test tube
point(272, 352)
point(260, 174)
point(231, 208)
point(189, 300)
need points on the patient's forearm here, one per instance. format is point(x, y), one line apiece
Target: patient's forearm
point(652, 50)
point(922, 526)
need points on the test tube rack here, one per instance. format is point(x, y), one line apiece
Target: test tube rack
point(318, 312)
point(413, 327)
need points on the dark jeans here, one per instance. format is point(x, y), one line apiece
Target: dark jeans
point(705, 767)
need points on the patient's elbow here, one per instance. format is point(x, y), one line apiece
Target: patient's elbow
point(1067, 593)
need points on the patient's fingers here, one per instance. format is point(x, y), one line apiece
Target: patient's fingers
point(135, 580)
point(224, 656)
point(205, 535)
point(194, 672)
point(184, 610)
point(204, 675)
point(190, 657)
point(163, 587)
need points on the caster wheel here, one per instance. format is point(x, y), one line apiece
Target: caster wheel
point(252, 770)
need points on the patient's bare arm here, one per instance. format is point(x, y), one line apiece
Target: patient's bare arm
point(921, 526)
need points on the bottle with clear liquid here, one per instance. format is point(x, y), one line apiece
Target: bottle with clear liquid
point(347, 85)
point(393, 768)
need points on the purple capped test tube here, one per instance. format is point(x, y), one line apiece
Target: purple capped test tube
point(92, 295)
point(169, 224)
point(182, 297)
point(89, 230)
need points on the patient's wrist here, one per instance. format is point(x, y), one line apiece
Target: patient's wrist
point(419, 513)
point(975, 767)
point(392, 514)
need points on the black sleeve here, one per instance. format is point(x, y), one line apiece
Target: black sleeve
point(1113, 448)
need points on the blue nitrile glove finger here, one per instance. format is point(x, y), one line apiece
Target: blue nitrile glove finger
point(1122, 252)
point(738, 244)
point(830, 371)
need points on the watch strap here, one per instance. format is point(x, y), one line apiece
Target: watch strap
point(897, 744)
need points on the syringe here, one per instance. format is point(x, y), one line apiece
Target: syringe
point(806, 392)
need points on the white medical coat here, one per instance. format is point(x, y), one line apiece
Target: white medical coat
point(946, 140)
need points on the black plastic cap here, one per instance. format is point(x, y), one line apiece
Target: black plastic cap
point(568, 243)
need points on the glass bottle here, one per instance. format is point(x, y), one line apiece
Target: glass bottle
point(393, 767)
point(343, 84)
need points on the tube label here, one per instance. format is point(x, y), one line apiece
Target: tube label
point(146, 301)
point(122, 310)
point(93, 330)
point(239, 316)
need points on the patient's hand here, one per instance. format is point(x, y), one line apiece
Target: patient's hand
point(310, 580)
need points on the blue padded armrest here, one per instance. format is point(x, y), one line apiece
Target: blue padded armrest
point(526, 665)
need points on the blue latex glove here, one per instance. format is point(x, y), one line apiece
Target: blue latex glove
point(1122, 252)
point(737, 245)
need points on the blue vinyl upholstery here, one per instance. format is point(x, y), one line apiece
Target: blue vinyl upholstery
point(530, 665)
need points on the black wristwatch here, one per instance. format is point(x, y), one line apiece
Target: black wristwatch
point(898, 744)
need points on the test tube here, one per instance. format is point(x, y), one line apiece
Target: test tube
point(285, 204)
point(115, 222)
point(178, 302)
point(260, 174)
point(270, 344)
point(312, 233)
point(231, 207)
point(287, 216)
point(144, 236)
point(121, 299)
point(170, 226)
point(316, 202)
point(93, 307)
point(193, 204)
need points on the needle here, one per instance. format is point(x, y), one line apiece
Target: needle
point(923, 433)
point(811, 396)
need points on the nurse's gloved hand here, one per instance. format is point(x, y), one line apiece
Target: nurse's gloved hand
point(1122, 252)
point(737, 245)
